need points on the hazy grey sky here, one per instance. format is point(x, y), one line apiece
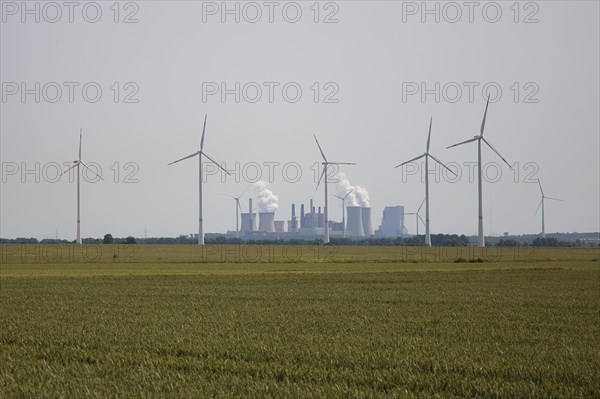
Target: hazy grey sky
point(367, 62)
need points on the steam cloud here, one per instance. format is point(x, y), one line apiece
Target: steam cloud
point(267, 201)
point(359, 196)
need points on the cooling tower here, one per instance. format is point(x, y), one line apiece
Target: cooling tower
point(355, 222)
point(266, 222)
point(280, 226)
point(366, 222)
point(247, 224)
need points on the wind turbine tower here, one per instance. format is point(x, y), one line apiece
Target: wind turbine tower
point(238, 210)
point(542, 205)
point(427, 155)
point(344, 208)
point(325, 164)
point(418, 216)
point(479, 138)
point(200, 154)
point(76, 164)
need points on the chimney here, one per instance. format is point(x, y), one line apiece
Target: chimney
point(293, 223)
point(366, 221)
point(302, 221)
point(354, 222)
point(251, 224)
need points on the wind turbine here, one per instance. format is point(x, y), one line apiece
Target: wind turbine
point(426, 155)
point(201, 153)
point(325, 164)
point(418, 216)
point(542, 205)
point(344, 208)
point(76, 164)
point(479, 139)
point(238, 209)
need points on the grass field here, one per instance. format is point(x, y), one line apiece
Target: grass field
point(174, 321)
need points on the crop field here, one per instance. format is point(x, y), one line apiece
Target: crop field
point(273, 321)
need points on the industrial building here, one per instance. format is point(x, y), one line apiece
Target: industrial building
point(309, 224)
point(392, 223)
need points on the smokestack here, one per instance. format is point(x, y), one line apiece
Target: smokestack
point(354, 222)
point(320, 219)
point(280, 226)
point(266, 222)
point(302, 221)
point(251, 221)
point(293, 222)
point(313, 215)
point(366, 221)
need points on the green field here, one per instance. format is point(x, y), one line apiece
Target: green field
point(178, 321)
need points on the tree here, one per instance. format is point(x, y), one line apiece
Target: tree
point(108, 239)
point(130, 240)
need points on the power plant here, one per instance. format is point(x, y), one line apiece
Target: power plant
point(309, 224)
point(392, 223)
point(260, 222)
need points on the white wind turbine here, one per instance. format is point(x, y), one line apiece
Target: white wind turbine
point(200, 153)
point(76, 164)
point(325, 164)
point(542, 205)
point(344, 208)
point(426, 155)
point(479, 139)
point(238, 209)
point(418, 216)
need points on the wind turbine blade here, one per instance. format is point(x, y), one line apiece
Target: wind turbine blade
point(463, 142)
point(441, 163)
point(80, 134)
point(215, 162)
point(189, 156)
point(320, 178)
point(320, 149)
point(341, 163)
point(76, 162)
point(88, 168)
point(421, 219)
point(349, 192)
point(203, 132)
point(485, 115)
point(409, 213)
point(420, 206)
point(227, 195)
point(244, 192)
point(337, 196)
point(540, 184)
point(412, 160)
point(554, 199)
point(497, 153)
point(538, 208)
point(429, 136)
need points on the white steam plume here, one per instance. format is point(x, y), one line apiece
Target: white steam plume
point(267, 201)
point(359, 196)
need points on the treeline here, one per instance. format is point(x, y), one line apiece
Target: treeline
point(438, 240)
point(543, 242)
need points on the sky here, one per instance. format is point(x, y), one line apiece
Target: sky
point(365, 77)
